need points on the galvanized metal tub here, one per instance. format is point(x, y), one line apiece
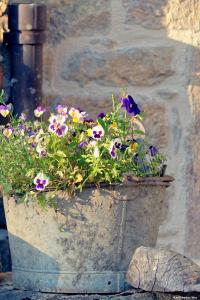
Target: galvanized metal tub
point(87, 244)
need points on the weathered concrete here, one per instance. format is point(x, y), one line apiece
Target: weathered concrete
point(162, 270)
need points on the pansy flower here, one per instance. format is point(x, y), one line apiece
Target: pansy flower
point(77, 115)
point(57, 125)
point(130, 105)
point(101, 115)
point(41, 150)
point(113, 126)
point(23, 117)
point(31, 140)
point(62, 110)
point(117, 142)
point(39, 111)
point(41, 181)
point(5, 110)
point(21, 128)
point(97, 132)
point(83, 144)
point(113, 150)
point(153, 150)
point(39, 136)
point(30, 132)
point(134, 146)
point(90, 122)
point(7, 132)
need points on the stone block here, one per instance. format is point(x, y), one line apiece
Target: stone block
point(161, 14)
point(162, 270)
point(156, 125)
point(123, 67)
point(77, 18)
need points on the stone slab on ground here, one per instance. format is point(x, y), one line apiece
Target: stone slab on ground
point(7, 292)
point(24, 295)
point(163, 270)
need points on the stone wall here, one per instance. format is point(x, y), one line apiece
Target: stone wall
point(96, 47)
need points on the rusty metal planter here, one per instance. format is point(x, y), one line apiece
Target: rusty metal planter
point(86, 245)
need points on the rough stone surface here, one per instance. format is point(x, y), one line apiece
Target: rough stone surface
point(128, 66)
point(157, 14)
point(193, 163)
point(156, 125)
point(75, 18)
point(154, 269)
point(149, 15)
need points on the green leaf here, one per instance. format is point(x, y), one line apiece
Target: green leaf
point(102, 123)
point(137, 131)
point(141, 116)
point(61, 153)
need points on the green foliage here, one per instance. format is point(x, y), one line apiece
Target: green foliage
point(68, 151)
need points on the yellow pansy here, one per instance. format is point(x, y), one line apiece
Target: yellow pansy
point(7, 132)
point(134, 147)
point(114, 126)
point(89, 132)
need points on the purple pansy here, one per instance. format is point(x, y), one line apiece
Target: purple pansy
point(23, 117)
point(89, 121)
point(5, 110)
point(123, 147)
point(112, 150)
point(33, 145)
point(74, 133)
point(62, 110)
point(57, 125)
point(130, 105)
point(97, 132)
point(101, 115)
point(30, 132)
point(118, 145)
point(21, 128)
point(83, 144)
point(41, 181)
point(39, 111)
point(153, 151)
point(41, 150)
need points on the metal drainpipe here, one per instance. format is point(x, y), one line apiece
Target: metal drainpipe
point(25, 39)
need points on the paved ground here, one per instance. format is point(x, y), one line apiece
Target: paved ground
point(7, 292)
